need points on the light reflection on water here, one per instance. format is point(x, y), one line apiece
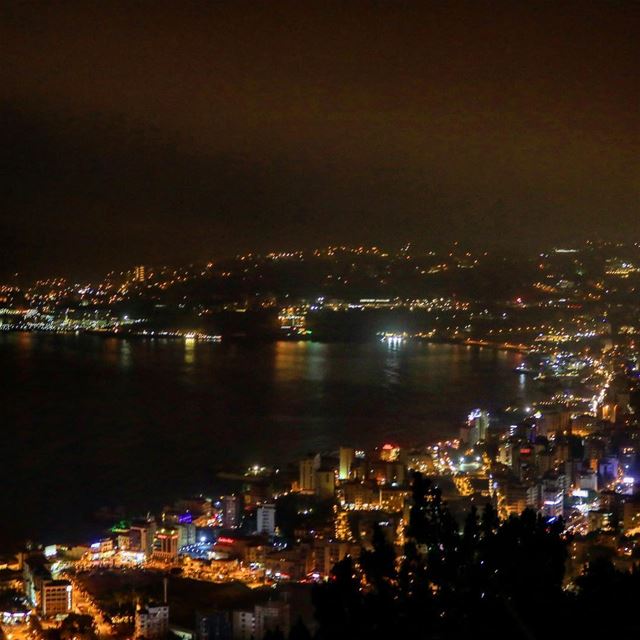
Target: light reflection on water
point(96, 421)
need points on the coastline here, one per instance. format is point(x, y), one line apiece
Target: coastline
point(197, 336)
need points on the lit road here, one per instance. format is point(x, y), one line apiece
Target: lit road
point(445, 465)
point(83, 604)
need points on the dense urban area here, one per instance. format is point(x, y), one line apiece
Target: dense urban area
point(523, 522)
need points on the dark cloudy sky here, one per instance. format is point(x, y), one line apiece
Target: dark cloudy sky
point(147, 132)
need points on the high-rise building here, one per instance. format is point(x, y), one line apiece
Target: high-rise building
point(142, 535)
point(346, 459)
point(478, 423)
point(308, 468)
point(342, 526)
point(547, 496)
point(166, 544)
point(139, 273)
point(230, 512)
point(186, 534)
point(57, 598)
point(325, 483)
point(266, 519)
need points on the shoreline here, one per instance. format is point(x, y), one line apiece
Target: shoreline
point(201, 337)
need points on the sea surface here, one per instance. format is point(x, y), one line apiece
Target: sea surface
point(90, 422)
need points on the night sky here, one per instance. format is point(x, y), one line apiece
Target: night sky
point(160, 132)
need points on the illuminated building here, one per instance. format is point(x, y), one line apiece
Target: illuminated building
point(57, 598)
point(383, 472)
point(230, 512)
point(294, 563)
point(104, 546)
point(242, 547)
point(600, 520)
point(515, 498)
point(392, 499)
point(361, 495)
point(123, 540)
point(631, 516)
point(308, 468)
point(389, 453)
point(152, 621)
point(588, 480)
point(342, 527)
point(166, 545)
point(35, 572)
point(52, 597)
point(186, 534)
point(547, 496)
point(347, 455)
point(141, 536)
point(266, 519)
point(139, 273)
point(505, 453)
point(477, 426)
point(608, 412)
point(325, 483)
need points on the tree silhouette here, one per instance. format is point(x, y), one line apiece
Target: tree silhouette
point(489, 578)
point(77, 627)
point(299, 631)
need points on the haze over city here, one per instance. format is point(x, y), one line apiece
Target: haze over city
point(320, 320)
point(192, 131)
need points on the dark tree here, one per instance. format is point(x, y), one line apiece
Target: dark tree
point(77, 627)
point(299, 631)
point(489, 578)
